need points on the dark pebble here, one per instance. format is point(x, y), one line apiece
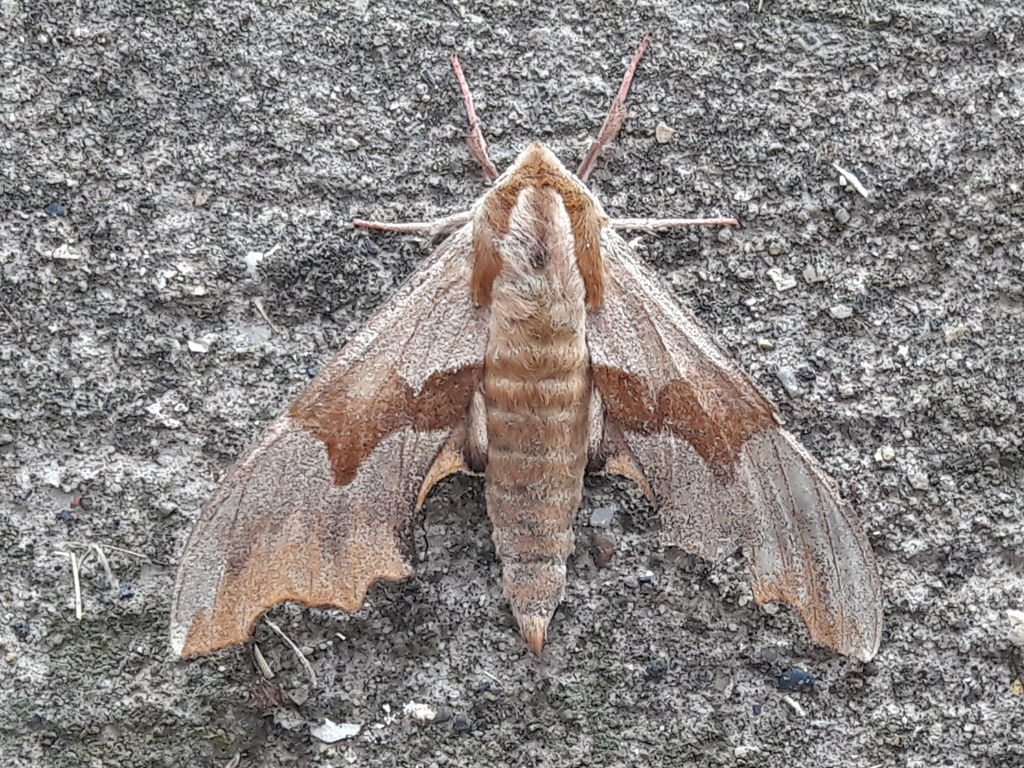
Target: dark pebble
point(125, 592)
point(460, 722)
point(796, 679)
point(65, 516)
point(657, 669)
point(22, 630)
point(55, 209)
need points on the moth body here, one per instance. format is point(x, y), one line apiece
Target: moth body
point(537, 389)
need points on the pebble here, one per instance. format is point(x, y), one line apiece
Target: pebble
point(885, 453)
point(953, 334)
point(1016, 633)
point(420, 713)
point(763, 343)
point(783, 281)
point(787, 378)
point(842, 215)
point(656, 669)
point(796, 679)
point(350, 144)
point(602, 517)
point(812, 274)
point(663, 134)
point(918, 479)
point(841, 311)
point(299, 695)
point(460, 722)
point(55, 209)
point(645, 577)
point(330, 731)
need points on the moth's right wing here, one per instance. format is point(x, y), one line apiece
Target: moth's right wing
point(707, 447)
point(322, 504)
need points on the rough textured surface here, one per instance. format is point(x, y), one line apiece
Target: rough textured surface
point(175, 182)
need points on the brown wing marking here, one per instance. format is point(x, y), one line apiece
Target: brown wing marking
point(703, 410)
point(724, 473)
point(352, 424)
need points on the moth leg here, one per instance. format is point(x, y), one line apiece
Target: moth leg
point(475, 139)
point(431, 228)
point(652, 224)
point(616, 114)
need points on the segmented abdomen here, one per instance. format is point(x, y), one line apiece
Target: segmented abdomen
point(537, 392)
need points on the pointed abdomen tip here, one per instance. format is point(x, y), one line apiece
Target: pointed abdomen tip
point(534, 629)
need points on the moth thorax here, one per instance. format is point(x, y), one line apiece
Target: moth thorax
point(539, 236)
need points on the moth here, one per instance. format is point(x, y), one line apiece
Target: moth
point(531, 347)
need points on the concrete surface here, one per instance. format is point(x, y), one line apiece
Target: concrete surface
point(175, 185)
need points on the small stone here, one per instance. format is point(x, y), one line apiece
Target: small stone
point(841, 311)
point(813, 274)
point(329, 731)
point(953, 334)
point(460, 722)
point(721, 682)
point(6, 438)
point(1016, 633)
point(763, 343)
point(885, 453)
point(796, 679)
point(842, 215)
point(725, 235)
point(645, 577)
point(663, 134)
point(126, 592)
point(55, 209)
point(201, 197)
point(299, 695)
point(602, 517)
point(947, 483)
point(350, 144)
point(656, 669)
point(198, 347)
point(420, 713)
point(783, 281)
point(918, 479)
point(770, 608)
point(787, 378)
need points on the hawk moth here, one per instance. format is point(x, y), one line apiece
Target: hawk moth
point(532, 346)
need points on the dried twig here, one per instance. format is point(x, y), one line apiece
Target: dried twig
point(295, 649)
point(853, 180)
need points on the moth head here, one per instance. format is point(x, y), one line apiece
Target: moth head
point(538, 170)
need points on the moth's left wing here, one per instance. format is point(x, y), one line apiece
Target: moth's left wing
point(707, 447)
point(321, 505)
